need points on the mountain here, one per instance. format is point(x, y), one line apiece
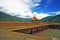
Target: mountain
point(55, 18)
point(7, 17)
point(45, 19)
point(51, 19)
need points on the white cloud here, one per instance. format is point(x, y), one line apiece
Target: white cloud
point(14, 5)
point(21, 7)
point(37, 0)
point(57, 13)
point(17, 5)
point(35, 4)
point(30, 15)
point(40, 15)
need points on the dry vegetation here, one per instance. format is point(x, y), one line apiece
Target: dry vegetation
point(7, 34)
point(21, 23)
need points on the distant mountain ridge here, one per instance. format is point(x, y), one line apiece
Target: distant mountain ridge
point(7, 17)
point(45, 19)
point(51, 19)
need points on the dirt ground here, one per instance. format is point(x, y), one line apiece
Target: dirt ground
point(7, 34)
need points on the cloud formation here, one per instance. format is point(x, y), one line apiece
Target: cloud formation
point(21, 8)
point(57, 13)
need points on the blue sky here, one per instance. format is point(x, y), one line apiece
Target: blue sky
point(30, 8)
point(48, 6)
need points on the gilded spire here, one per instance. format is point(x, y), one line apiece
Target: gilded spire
point(34, 19)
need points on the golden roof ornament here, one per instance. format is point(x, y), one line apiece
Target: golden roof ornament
point(34, 18)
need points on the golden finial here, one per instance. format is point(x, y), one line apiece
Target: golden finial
point(34, 18)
